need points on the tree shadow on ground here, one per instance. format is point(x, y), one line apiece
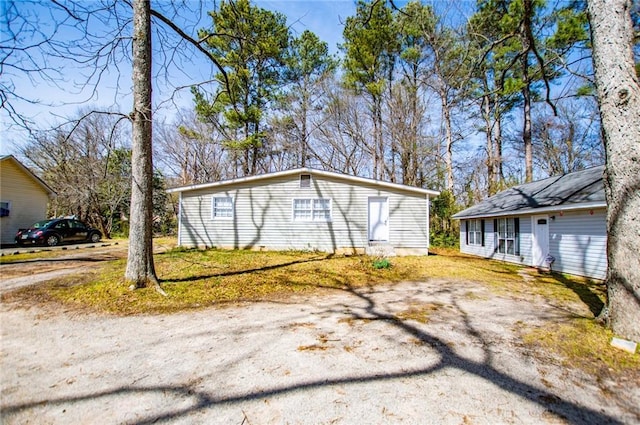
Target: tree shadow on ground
point(247, 271)
point(583, 291)
point(564, 410)
point(81, 259)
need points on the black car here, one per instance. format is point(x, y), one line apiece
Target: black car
point(53, 232)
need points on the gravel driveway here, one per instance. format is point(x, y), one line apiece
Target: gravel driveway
point(349, 357)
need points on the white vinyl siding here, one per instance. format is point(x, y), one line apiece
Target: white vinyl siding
point(577, 242)
point(264, 216)
point(222, 207)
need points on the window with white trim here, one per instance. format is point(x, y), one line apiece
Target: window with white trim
point(507, 235)
point(222, 207)
point(475, 232)
point(312, 209)
point(5, 208)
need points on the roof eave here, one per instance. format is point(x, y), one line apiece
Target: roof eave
point(330, 174)
point(532, 211)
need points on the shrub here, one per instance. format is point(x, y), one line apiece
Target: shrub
point(382, 263)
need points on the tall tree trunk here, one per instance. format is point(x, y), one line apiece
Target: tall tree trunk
point(619, 99)
point(526, 90)
point(448, 155)
point(526, 130)
point(379, 144)
point(304, 142)
point(497, 152)
point(140, 270)
point(486, 115)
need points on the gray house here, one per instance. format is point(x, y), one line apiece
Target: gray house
point(305, 209)
point(559, 222)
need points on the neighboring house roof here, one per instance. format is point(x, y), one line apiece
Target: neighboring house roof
point(346, 178)
point(27, 171)
point(579, 190)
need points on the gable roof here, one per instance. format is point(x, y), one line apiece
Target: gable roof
point(30, 173)
point(579, 190)
point(345, 177)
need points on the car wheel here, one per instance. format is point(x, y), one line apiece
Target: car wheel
point(52, 240)
point(95, 237)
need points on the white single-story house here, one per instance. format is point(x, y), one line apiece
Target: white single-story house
point(23, 198)
point(305, 209)
point(558, 223)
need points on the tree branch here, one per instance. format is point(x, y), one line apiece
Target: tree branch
point(193, 42)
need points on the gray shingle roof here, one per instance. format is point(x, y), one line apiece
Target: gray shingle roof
point(584, 187)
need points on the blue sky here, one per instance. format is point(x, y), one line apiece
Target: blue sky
point(61, 100)
point(64, 99)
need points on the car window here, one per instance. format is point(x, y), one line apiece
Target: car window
point(75, 224)
point(40, 224)
point(61, 225)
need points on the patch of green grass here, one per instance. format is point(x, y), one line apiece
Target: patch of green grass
point(22, 254)
point(564, 288)
point(584, 344)
point(382, 264)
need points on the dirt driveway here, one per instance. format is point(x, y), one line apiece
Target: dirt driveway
point(74, 259)
point(347, 357)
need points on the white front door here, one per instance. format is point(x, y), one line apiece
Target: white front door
point(378, 219)
point(540, 242)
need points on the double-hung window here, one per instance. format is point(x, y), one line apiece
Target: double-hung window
point(312, 209)
point(507, 235)
point(222, 207)
point(475, 232)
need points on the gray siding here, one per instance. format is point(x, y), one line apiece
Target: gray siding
point(263, 216)
point(578, 241)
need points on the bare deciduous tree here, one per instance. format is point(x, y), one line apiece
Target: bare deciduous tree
point(569, 141)
point(191, 150)
point(87, 164)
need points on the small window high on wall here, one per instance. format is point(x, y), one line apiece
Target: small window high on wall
point(305, 180)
